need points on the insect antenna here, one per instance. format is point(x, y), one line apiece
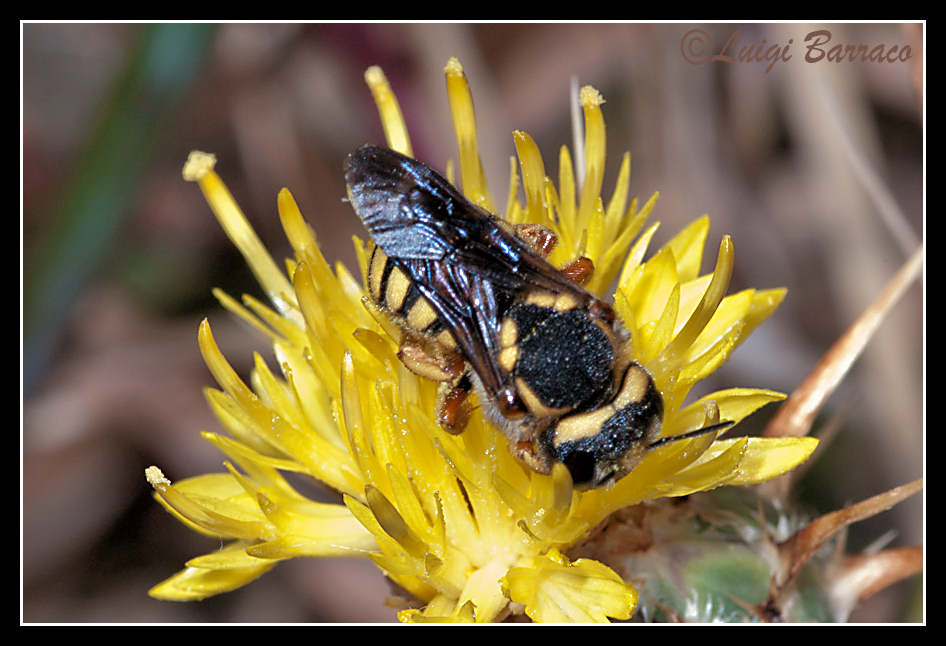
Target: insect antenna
point(691, 434)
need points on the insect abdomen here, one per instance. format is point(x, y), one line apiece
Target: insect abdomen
point(395, 293)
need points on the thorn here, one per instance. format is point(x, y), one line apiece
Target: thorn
point(795, 416)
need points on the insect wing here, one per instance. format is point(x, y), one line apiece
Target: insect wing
point(398, 203)
point(414, 213)
point(469, 307)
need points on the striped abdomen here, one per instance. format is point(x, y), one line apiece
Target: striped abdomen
point(395, 293)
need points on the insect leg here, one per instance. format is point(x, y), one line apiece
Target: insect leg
point(540, 239)
point(454, 408)
point(525, 451)
point(428, 362)
point(579, 270)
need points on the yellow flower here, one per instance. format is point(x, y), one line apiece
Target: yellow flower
point(456, 520)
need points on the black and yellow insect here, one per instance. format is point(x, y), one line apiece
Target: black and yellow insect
point(480, 309)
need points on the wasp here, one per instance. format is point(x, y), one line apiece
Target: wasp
point(481, 310)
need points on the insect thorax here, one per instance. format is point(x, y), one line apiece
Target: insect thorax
point(559, 359)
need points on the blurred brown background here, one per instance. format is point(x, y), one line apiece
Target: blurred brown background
point(816, 170)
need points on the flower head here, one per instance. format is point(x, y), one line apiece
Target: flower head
point(456, 520)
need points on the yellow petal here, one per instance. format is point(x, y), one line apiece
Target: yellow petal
point(289, 546)
point(406, 502)
point(235, 307)
point(687, 247)
point(483, 589)
point(393, 523)
point(365, 516)
point(215, 502)
point(321, 459)
point(717, 466)
point(633, 268)
point(533, 175)
point(616, 254)
point(648, 295)
point(464, 125)
point(442, 609)
point(239, 424)
point(708, 304)
point(196, 583)
point(395, 130)
point(566, 190)
point(729, 316)
point(595, 148)
point(691, 293)
point(314, 399)
point(261, 467)
point(298, 232)
point(735, 404)
point(759, 459)
point(764, 303)
point(554, 590)
point(514, 212)
point(669, 470)
point(276, 394)
point(596, 232)
point(199, 168)
point(768, 457)
point(314, 528)
point(232, 556)
point(655, 335)
point(618, 201)
point(701, 366)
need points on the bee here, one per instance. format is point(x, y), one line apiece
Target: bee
point(481, 310)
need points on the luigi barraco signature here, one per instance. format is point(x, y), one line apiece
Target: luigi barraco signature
point(697, 48)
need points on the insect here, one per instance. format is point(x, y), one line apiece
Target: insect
point(481, 310)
